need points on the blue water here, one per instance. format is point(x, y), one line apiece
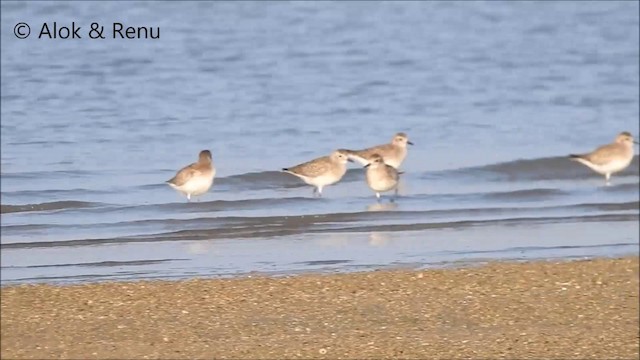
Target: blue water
point(493, 94)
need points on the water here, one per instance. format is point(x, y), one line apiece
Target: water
point(493, 94)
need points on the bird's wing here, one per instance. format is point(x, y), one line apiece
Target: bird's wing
point(185, 174)
point(392, 172)
point(604, 154)
point(364, 156)
point(380, 150)
point(312, 168)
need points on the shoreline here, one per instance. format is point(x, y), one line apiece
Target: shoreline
point(531, 309)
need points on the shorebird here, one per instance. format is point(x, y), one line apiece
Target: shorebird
point(611, 158)
point(393, 153)
point(195, 179)
point(320, 172)
point(381, 177)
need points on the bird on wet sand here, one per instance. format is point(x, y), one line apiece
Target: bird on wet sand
point(610, 158)
point(382, 177)
point(321, 172)
point(195, 179)
point(393, 153)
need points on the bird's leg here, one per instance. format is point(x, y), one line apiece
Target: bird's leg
point(378, 196)
point(607, 177)
point(188, 197)
point(315, 192)
point(395, 195)
point(319, 191)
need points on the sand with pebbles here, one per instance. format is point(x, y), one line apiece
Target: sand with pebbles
point(577, 309)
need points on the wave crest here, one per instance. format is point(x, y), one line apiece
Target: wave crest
point(47, 206)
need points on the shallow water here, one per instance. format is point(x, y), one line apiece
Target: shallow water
point(493, 95)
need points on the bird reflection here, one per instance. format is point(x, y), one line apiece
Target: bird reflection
point(379, 206)
point(379, 239)
point(334, 240)
point(199, 247)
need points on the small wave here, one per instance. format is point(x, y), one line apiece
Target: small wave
point(627, 187)
point(42, 142)
point(56, 174)
point(47, 206)
point(323, 262)
point(55, 192)
point(226, 205)
point(262, 179)
point(269, 227)
point(211, 206)
point(549, 168)
point(100, 264)
point(181, 207)
point(538, 194)
point(274, 180)
point(154, 186)
point(631, 205)
point(520, 249)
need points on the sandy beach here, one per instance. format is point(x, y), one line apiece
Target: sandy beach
point(577, 309)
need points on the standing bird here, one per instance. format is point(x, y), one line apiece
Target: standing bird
point(611, 158)
point(393, 153)
point(321, 172)
point(381, 177)
point(195, 179)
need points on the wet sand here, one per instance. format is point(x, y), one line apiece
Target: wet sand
point(578, 309)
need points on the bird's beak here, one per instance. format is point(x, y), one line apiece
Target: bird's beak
point(409, 142)
point(349, 160)
point(366, 166)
